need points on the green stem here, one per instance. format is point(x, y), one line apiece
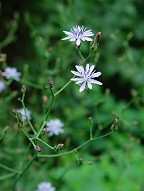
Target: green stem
point(45, 143)
point(31, 84)
point(6, 176)
point(62, 88)
point(47, 115)
point(77, 148)
point(22, 101)
point(88, 57)
point(9, 169)
point(28, 137)
point(79, 51)
point(91, 126)
point(23, 171)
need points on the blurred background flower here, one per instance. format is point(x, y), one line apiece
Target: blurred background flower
point(54, 127)
point(45, 186)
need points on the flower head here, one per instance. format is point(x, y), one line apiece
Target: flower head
point(54, 127)
point(77, 34)
point(86, 76)
point(2, 86)
point(11, 73)
point(24, 114)
point(45, 186)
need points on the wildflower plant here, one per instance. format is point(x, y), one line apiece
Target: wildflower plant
point(85, 76)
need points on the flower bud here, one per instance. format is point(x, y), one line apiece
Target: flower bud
point(58, 147)
point(90, 162)
point(98, 35)
point(80, 161)
point(114, 126)
point(95, 42)
point(51, 83)
point(23, 89)
point(91, 120)
point(38, 149)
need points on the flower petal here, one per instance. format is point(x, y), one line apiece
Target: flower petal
point(73, 39)
point(97, 74)
point(76, 73)
point(76, 79)
point(88, 33)
point(82, 86)
point(87, 38)
point(66, 38)
point(68, 33)
point(80, 68)
point(95, 82)
point(91, 69)
point(89, 84)
point(80, 81)
point(78, 41)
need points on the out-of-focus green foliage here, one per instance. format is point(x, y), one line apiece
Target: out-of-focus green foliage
point(31, 33)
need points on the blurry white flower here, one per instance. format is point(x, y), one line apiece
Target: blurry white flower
point(86, 75)
point(24, 113)
point(2, 86)
point(54, 127)
point(45, 186)
point(11, 73)
point(77, 34)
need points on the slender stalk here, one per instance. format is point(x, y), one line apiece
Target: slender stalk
point(9, 169)
point(88, 57)
point(47, 115)
point(45, 143)
point(79, 52)
point(77, 148)
point(7, 176)
point(22, 128)
point(31, 84)
point(23, 171)
point(91, 136)
point(62, 88)
point(30, 124)
point(28, 137)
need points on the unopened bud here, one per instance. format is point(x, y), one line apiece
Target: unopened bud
point(51, 83)
point(91, 120)
point(58, 147)
point(38, 149)
point(14, 111)
point(98, 35)
point(23, 89)
point(80, 161)
point(114, 126)
point(90, 163)
point(95, 42)
point(19, 99)
point(44, 130)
